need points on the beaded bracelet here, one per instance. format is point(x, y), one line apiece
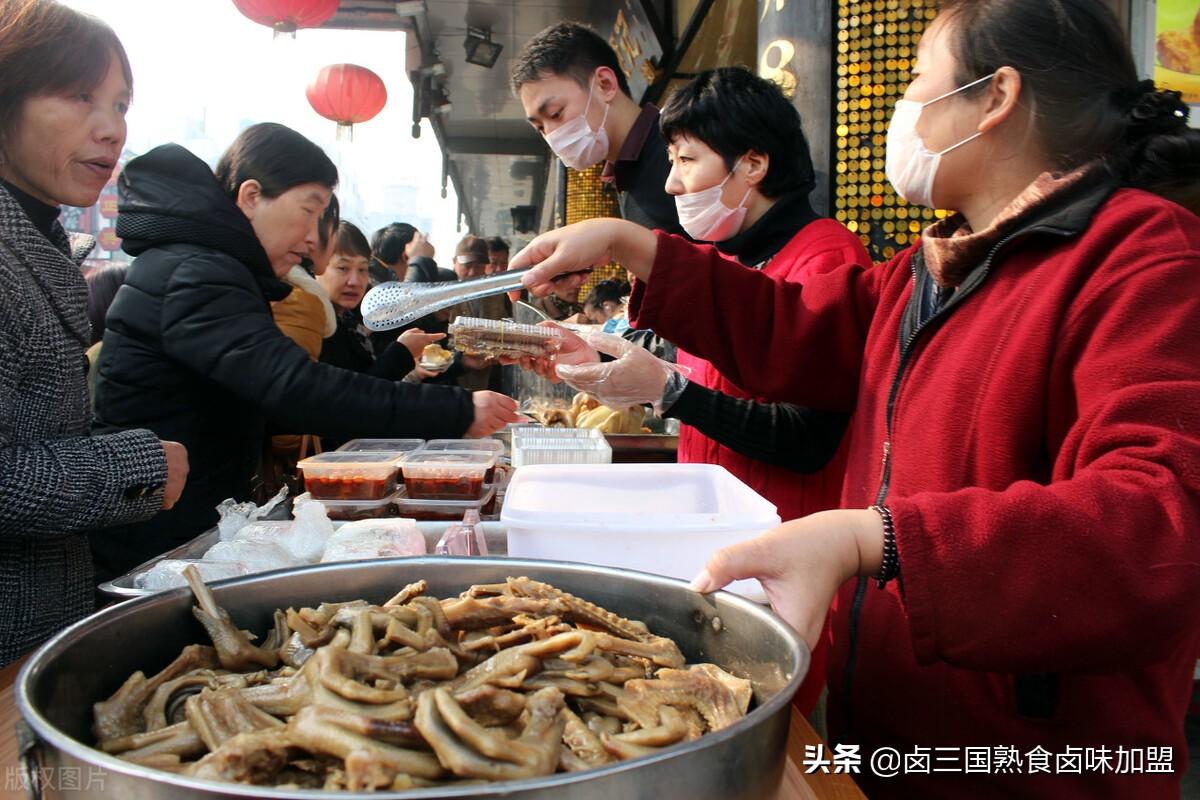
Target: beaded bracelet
point(889, 568)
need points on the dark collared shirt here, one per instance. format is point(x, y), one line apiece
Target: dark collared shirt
point(640, 175)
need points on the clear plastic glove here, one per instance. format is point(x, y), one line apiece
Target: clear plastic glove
point(635, 377)
point(572, 350)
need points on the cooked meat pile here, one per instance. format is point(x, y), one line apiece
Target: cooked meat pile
point(587, 412)
point(506, 681)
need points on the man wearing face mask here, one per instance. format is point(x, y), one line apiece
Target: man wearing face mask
point(574, 93)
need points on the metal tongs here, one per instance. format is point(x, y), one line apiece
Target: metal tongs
point(395, 304)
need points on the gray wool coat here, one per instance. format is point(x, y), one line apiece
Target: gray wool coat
point(56, 481)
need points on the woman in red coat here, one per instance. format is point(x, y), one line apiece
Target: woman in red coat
point(741, 175)
point(1024, 472)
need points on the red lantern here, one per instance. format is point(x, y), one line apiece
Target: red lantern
point(286, 16)
point(346, 94)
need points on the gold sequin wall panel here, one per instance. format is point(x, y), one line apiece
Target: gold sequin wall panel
point(876, 52)
point(587, 198)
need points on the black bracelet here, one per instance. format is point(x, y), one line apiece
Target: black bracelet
point(889, 568)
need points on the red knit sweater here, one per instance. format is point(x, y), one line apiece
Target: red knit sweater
point(1044, 454)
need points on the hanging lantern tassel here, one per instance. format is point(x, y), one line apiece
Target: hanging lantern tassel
point(285, 17)
point(347, 94)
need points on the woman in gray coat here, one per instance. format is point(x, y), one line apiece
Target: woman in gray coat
point(64, 87)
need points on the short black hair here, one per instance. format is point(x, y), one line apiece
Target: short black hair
point(350, 241)
point(497, 245)
point(388, 243)
point(568, 49)
point(733, 111)
point(277, 157)
point(607, 291)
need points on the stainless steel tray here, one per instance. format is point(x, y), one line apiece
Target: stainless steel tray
point(123, 588)
point(88, 661)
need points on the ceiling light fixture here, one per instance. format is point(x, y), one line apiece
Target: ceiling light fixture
point(481, 50)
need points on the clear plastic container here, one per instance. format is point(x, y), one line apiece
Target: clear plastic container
point(531, 449)
point(542, 432)
point(351, 476)
point(458, 445)
point(444, 475)
point(381, 446)
point(492, 338)
point(464, 538)
point(447, 510)
point(350, 510)
point(662, 518)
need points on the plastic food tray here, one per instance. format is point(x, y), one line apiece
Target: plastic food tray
point(350, 510)
point(457, 445)
point(490, 337)
point(530, 449)
point(447, 510)
point(124, 587)
point(444, 475)
point(350, 476)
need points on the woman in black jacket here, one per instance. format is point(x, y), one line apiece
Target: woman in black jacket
point(192, 352)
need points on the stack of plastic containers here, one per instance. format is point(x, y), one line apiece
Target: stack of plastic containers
point(353, 485)
point(445, 484)
point(537, 445)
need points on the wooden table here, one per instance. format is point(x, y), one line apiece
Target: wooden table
point(796, 785)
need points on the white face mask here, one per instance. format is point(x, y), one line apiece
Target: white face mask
point(911, 166)
point(576, 143)
point(705, 217)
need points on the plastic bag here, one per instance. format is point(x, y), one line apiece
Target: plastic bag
point(258, 556)
point(311, 529)
point(234, 516)
point(374, 538)
point(168, 574)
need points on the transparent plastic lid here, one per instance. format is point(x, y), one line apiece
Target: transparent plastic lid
point(381, 446)
point(541, 432)
point(340, 459)
point(456, 461)
point(347, 505)
point(494, 445)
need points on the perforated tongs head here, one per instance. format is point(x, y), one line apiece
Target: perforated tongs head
point(395, 304)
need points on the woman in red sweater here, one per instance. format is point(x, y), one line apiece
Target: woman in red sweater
point(1024, 472)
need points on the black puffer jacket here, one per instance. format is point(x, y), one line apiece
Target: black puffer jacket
point(192, 352)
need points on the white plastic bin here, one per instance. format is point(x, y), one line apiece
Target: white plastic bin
point(662, 518)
